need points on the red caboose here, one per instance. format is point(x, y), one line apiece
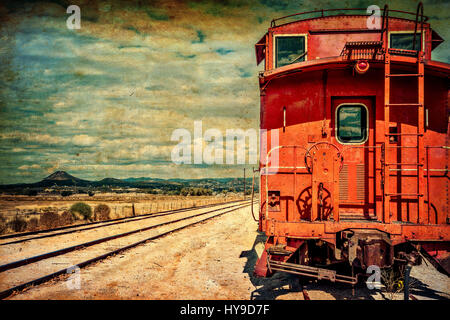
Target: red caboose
point(355, 171)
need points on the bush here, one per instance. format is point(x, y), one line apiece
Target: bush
point(66, 193)
point(81, 209)
point(17, 224)
point(3, 224)
point(195, 192)
point(66, 218)
point(33, 224)
point(49, 220)
point(91, 193)
point(102, 212)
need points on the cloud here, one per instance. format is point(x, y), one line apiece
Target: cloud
point(45, 139)
point(83, 140)
point(27, 167)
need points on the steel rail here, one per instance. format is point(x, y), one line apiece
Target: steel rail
point(103, 223)
point(130, 220)
point(6, 293)
point(26, 261)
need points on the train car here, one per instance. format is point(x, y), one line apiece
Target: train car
point(354, 156)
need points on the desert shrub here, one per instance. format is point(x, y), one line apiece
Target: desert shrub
point(17, 224)
point(101, 212)
point(195, 192)
point(49, 220)
point(81, 209)
point(3, 224)
point(66, 218)
point(33, 224)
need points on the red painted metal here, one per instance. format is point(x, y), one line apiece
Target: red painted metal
point(396, 181)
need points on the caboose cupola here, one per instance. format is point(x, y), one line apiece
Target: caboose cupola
point(324, 33)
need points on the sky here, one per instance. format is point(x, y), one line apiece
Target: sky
point(104, 100)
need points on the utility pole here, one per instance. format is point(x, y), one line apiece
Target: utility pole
point(244, 183)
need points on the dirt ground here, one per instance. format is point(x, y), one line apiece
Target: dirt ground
point(149, 227)
point(212, 260)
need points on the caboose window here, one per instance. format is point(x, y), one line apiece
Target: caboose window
point(289, 49)
point(351, 123)
point(404, 40)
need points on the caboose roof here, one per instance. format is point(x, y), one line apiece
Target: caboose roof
point(326, 13)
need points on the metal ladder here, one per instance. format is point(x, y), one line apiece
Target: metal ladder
point(386, 179)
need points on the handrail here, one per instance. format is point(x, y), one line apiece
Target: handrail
point(322, 11)
point(419, 7)
point(385, 18)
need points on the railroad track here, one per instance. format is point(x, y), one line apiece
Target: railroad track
point(18, 275)
point(39, 234)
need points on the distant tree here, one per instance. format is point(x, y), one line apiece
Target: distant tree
point(66, 193)
point(81, 208)
point(31, 192)
point(196, 191)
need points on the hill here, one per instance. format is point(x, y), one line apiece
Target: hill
point(61, 180)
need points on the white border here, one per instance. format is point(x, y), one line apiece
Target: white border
point(407, 31)
point(305, 35)
point(336, 124)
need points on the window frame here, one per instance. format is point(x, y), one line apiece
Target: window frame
point(336, 135)
point(407, 31)
point(275, 36)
